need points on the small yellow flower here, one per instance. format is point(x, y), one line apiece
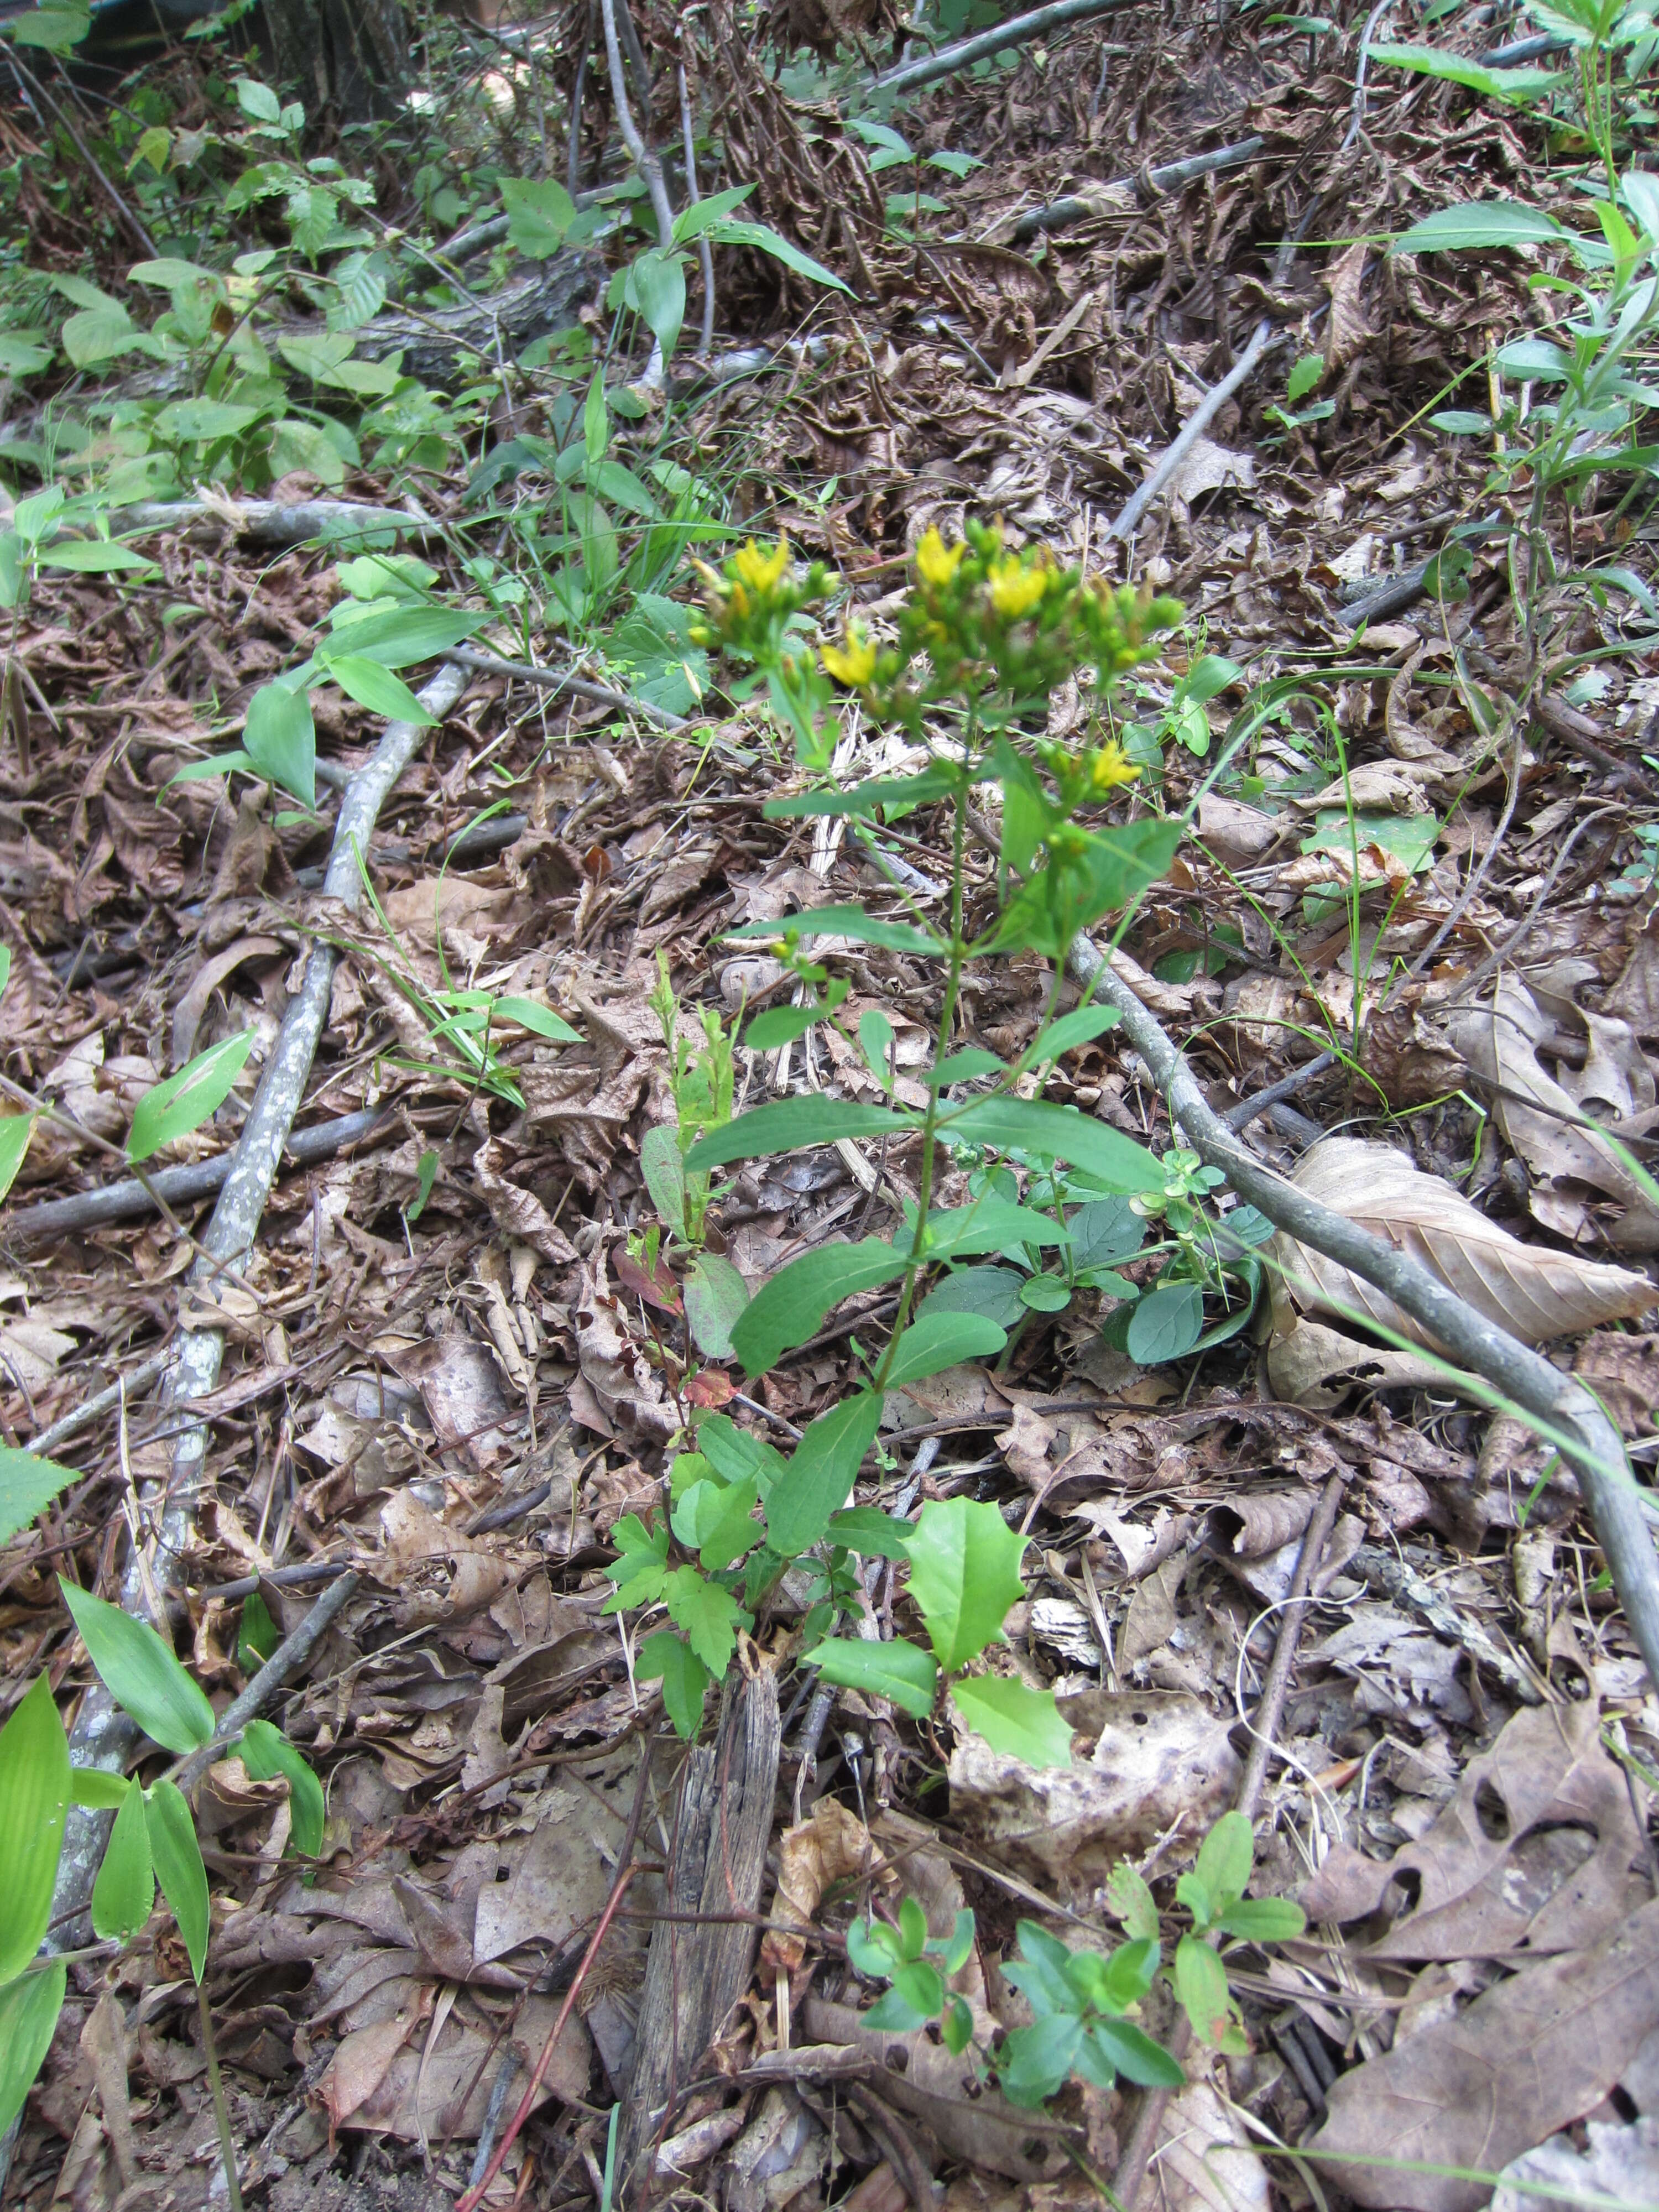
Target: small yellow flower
point(854, 663)
point(936, 562)
point(762, 572)
point(1016, 588)
point(1111, 766)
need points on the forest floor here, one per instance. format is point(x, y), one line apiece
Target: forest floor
point(446, 1371)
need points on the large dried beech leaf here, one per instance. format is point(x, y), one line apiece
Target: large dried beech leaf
point(1532, 2055)
point(1533, 1293)
point(1538, 1852)
point(1537, 1116)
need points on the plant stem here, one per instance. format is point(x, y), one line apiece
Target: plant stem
point(221, 2109)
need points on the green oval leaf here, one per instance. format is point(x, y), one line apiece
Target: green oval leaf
point(900, 1671)
point(28, 2013)
point(821, 1473)
point(716, 1297)
point(34, 1798)
point(786, 1310)
point(1021, 1724)
point(140, 1672)
point(124, 1895)
point(965, 1575)
point(178, 1862)
point(784, 1124)
point(184, 1101)
point(937, 1340)
point(1165, 1324)
point(376, 688)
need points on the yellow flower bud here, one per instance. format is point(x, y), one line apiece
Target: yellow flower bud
point(854, 662)
point(1110, 766)
point(762, 572)
point(936, 562)
point(1016, 588)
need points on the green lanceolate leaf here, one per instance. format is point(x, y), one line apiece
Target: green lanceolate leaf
point(266, 1752)
point(15, 1130)
point(936, 782)
point(899, 1670)
point(787, 1123)
point(177, 1857)
point(1263, 1920)
point(541, 1021)
point(98, 1790)
point(140, 1672)
point(1020, 1723)
point(1131, 2052)
point(34, 1799)
point(865, 1529)
point(965, 1575)
point(184, 1101)
point(716, 1297)
point(377, 689)
point(786, 1310)
point(1225, 1858)
point(849, 921)
point(1061, 1132)
point(821, 1473)
point(685, 1680)
point(665, 1175)
point(280, 738)
point(1065, 1035)
point(709, 1614)
point(124, 1895)
point(1200, 1982)
point(27, 1485)
point(1477, 223)
point(936, 1340)
point(28, 2013)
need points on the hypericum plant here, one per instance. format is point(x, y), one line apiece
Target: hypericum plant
point(984, 635)
point(154, 1837)
point(916, 1968)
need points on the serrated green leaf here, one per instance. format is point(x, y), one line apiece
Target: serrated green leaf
point(641, 1571)
point(124, 1895)
point(785, 1124)
point(786, 1310)
point(712, 1519)
point(266, 1752)
point(34, 1801)
point(685, 1680)
point(965, 1575)
point(140, 1672)
point(709, 1614)
point(821, 1473)
point(1225, 1858)
point(900, 1671)
point(28, 2013)
point(1019, 1722)
point(184, 1101)
point(27, 1485)
point(177, 1857)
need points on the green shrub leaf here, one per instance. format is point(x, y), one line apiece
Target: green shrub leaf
point(178, 1862)
point(140, 1672)
point(937, 1340)
point(34, 1799)
point(685, 1680)
point(786, 1310)
point(821, 1473)
point(965, 1575)
point(785, 1124)
point(124, 1895)
point(900, 1671)
point(1019, 1722)
point(184, 1101)
point(1058, 1132)
point(28, 2013)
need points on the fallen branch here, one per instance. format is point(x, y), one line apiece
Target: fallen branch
point(276, 522)
point(555, 679)
point(104, 1401)
point(1511, 1367)
point(291, 1655)
point(103, 1735)
point(1014, 33)
point(126, 1201)
point(1096, 200)
point(1192, 430)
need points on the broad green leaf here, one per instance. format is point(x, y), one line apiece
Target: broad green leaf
point(685, 1680)
point(764, 240)
point(95, 556)
point(992, 1292)
point(1045, 1294)
point(97, 1788)
point(866, 1528)
point(965, 1575)
point(658, 279)
point(184, 1101)
point(1035, 2063)
point(1105, 1230)
point(665, 1175)
point(784, 1124)
point(124, 1895)
point(281, 740)
point(1302, 378)
point(936, 1340)
point(1201, 1981)
point(738, 1455)
point(920, 1984)
point(1021, 1724)
point(55, 29)
point(710, 1616)
point(256, 100)
point(1535, 359)
point(716, 1297)
point(641, 1572)
point(821, 1473)
point(1520, 87)
point(27, 1485)
point(140, 1672)
point(1477, 223)
point(873, 1949)
point(781, 1025)
point(1129, 1898)
point(28, 2013)
point(266, 1752)
point(531, 1014)
point(1104, 870)
point(203, 421)
point(713, 1520)
point(35, 1799)
point(691, 221)
point(848, 921)
point(786, 1310)
point(377, 688)
point(899, 1671)
point(1061, 1132)
point(1058, 1038)
point(539, 213)
point(1165, 1324)
point(99, 334)
point(1132, 2052)
point(177, 1857)
point(1042, 1972)
point(990, 1224)
point(1225, 1858)
point(1263, 1919)
point(402, 634)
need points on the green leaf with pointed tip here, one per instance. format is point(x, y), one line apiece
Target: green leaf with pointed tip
point(685, 1680)
point(1061, 1132)
point(184, 1101)
point(786, 1310)
point(1021, 1724)
point(178, 1862)
point(965, 1575)
point(934, 1341)
point(642, 1569)
point(1132, 2053)
point(785, 1124)
point(98, 1790)
point(124, 1895)
point(541, 1021)
point(709, 1614)
point(901, 1671)
point(34, 1798)
point(1034, 2062)
point(920, 790)
point(1201, 1981)
point(376, 688)
point(665, 1175)
point(1065, 1035)
point(28, 2013)
point(1262, 1919)
point(1225, 1858)
point(1129, 1898)
point(140, 1672)
point(821, 1473)
point(738, 1455)
point(716, 1297)
point(280, 738)
point(15, 1130)
point(866, 1528)
point(266, 1752)
point(1477, 223)
point(27, 1485)
point(990, 1224)
point(849, 921)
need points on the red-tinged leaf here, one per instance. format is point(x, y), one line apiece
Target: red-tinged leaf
point(659, 1290)
point(710, 1389)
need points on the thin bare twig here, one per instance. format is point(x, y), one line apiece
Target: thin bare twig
point(705, 258)
point(292, 1654)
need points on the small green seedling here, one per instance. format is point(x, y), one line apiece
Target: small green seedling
point(1213, 1893)
point(916, 1967)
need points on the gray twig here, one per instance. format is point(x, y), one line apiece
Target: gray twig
point(103, 1402)
point(291, 1655)
point(1170, 177)
point(640, 154)
point(1013, 32)
point(276, 522)
point(555, 679)
point(1192, 430)
point(705, 258)
point(1383, 1572)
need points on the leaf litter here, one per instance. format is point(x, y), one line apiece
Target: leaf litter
point(450, 1375)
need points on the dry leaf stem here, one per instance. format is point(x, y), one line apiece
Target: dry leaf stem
point(1488, 1351)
